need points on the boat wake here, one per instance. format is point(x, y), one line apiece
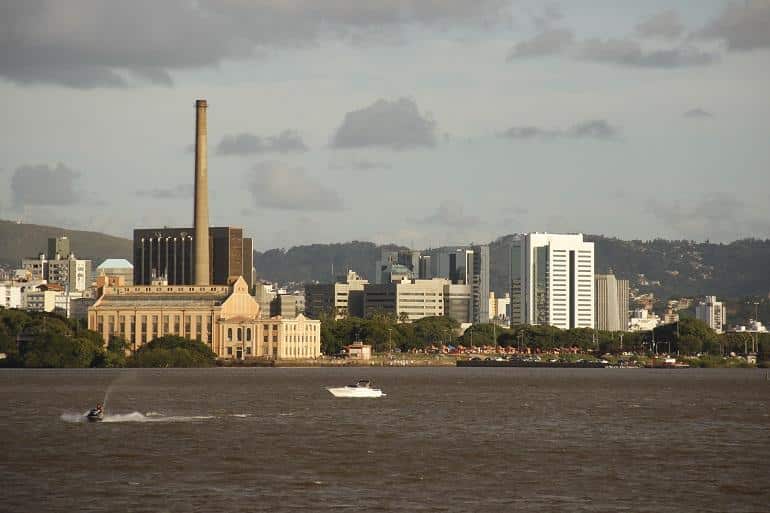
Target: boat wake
point(135, 417)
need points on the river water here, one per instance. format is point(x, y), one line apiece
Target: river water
point(444, 439)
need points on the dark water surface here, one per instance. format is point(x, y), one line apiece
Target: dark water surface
point(444, 439)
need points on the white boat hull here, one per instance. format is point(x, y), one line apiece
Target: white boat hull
point(355, 392)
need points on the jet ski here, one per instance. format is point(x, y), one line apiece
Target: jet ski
point(95, 415)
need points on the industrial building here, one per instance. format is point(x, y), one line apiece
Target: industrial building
point(195, 283)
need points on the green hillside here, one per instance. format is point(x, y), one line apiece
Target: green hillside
point(19, 241)
point(669, 268)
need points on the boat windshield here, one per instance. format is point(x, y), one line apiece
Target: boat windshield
point(364, 383)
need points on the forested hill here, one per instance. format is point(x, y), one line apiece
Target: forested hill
point(19, 241)
point(738, 269)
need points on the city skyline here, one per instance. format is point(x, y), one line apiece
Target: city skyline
point(641, 121)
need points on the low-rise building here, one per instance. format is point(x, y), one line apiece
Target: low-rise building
point(359, 351)
point(643, 320)
point(226, 317)
point(117, 267)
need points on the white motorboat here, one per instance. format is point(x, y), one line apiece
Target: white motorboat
point(363, 388)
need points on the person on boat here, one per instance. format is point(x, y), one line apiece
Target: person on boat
point(99, 408)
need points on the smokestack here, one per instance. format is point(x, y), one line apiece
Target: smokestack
point(201, 213)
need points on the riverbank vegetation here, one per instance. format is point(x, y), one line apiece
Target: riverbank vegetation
point(44, 340)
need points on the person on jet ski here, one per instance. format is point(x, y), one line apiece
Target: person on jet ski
point(96, 412)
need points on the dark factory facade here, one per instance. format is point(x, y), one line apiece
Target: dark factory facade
point(169, 254)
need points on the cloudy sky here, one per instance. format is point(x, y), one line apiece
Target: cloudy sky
point(420, 122)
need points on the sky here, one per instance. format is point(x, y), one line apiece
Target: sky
point(417, 122)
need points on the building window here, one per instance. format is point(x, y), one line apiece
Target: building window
point(248, 334)
point(248, 350)
point(240, 334)
point(266, 338)
point(229, 336)
point(230, 351)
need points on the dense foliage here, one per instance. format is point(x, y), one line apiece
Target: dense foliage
point(173, 351)
point(47, 340)
point(384, 333)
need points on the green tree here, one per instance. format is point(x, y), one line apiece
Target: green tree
point(55, 350)
point(173, 351)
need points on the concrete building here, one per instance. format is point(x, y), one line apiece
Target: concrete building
point(224, 316)
point(57, 267)
point(408, 300)
point(612, 303)
point(713, 313)
point(170, 253)
point(670, 316)
point(457, 302)
point(117, 267)
point(643, 320)
point(285, 305)
point(554, 284)
point(343, 298)
point(404, 263)
point(499, 307)
point(480, 284)
point(11, 294)
point(467, 266)
point(359, 351)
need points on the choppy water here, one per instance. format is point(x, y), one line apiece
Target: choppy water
point(444, 439)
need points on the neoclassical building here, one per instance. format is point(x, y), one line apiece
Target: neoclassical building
point(224, 316)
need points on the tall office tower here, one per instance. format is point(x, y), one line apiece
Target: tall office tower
point(248, 261)
point(516, 271)
point(58, 248)
point(480, 283)
point(424, 271)
point(201, 208)
point(611, 303)
point(713, 313)
point(557, 280)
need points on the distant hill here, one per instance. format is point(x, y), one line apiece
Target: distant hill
point(19, 241)
point(667, 268)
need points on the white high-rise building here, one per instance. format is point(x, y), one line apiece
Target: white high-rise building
point(713, 313)
point(554, 283)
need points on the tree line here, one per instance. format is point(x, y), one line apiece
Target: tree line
point(45, 340)
point(384, 333)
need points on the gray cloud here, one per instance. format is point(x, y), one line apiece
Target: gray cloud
point(397, 125)
point(82, 43)
point(547, 16)
point(742, 25)
point(666, 25)
point(288, 141)
point(276, 185)
point(591, 129)
point(361, 165)
point(43, 185)
point(698, 113)
point(626, 52)
point(452, 213)
point(716, 216)
point(548, 42)
point(177, 192)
